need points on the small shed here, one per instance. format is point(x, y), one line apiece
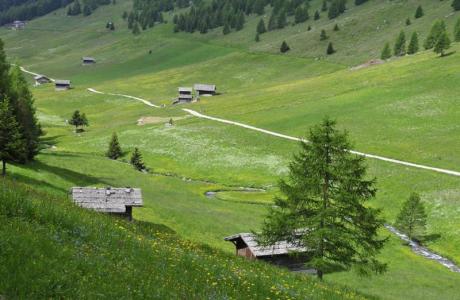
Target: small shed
point(205, 89)
point(41, 79)
point(88, 61)
point(119, 201)
point(281, 253)
point(18, 25)
point(185, 94)
point(62, 85)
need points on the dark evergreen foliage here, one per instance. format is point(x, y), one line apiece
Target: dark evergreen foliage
point(284, 47)
point(12, 144)
point(330, 49)
point(456, 4)
point(359, 2)
point(419, 12)
point(316, 16)
point(136, 160)
point(412, 218)
point(457, 31)
point(336, 27)
point(408, 22)
point(386, 52)
point(436, 30)
point(325, 208)
point(78, 120)
point(336, 8)
point(400, 45)
point(114, 151)
point(11, 10)
point(261, 27)
point(442, 43)
point(413, 44)
point(323, 36)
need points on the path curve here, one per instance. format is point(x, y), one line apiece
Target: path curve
point(280, 135)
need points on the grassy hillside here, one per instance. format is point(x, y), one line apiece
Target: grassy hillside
point(404, 109)
point(51, 249)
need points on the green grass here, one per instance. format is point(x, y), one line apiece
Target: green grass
point(405, 109)
point(51, 249)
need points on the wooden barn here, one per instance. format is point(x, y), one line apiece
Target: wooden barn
point(205, 89)
point(62, 85)
point(185, 94)
point(88, 61)
point(281, 254)
point(118, 201)
point(41, 79)
point(18, 25)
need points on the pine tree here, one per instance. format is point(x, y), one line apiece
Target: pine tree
point(412, 217)
point(257, 39)
point(438, 27)
point(336, 27)
point(25, 113)
point(5, 84)
point(272, 22)
point(413, 44)
point(125, 15)
point(282, 20)
point(316, 16)
point(457, 31)
point(456, 4)
point(308, 28)
point(226, 29)
point(76, 9)
point(324, 6)
point(261, 27)
point(324, 207)
point(419, 12)
point(114, 151)
point(284, 47)
point(240, 22)
point(259, 7)
point(136, 30)
point(408, 22)
point(12, 147)
point(78, 120)
point(86, 10)
point(136, 160)
point(330, 49)
point(323, 36)
point(442, 44)
point(386, 52)
point(400, 45)
point(112, 26)
point(301, 15)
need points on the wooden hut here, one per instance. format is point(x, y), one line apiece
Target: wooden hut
point(281, 253)
point(88, 61)
point(119, 201)
point(62, 85)
point(41, 79)
point(205, 89)
point(185, 94)
point(18, 25)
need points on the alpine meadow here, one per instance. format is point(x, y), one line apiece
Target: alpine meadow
point(230, 149)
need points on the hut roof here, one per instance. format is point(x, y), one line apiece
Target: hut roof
point(185, 89)
point(205, 87)
point(185, 96)
point(37, 77)
point(113, 200)
point(279, 248)
point(62, 82)
point(86, 58)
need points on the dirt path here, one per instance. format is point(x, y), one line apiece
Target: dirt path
point(276, 134)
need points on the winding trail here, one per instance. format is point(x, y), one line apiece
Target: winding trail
point(423, 251)
point(280, 135)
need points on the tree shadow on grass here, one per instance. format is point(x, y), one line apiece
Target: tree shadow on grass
point(149, 227)
point(50, 140)
point(430, 237)
point(39, 184)
point(447, 54)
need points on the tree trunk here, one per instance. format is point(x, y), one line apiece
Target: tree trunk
point(3, 168)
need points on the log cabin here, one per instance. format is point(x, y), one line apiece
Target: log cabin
point(205, 89)
point(62, 85)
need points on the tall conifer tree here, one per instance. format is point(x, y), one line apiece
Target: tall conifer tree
point(12, 146)
point(413, 44)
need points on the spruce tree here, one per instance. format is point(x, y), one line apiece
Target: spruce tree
point(324, 206)
point(330, 49)
point(316, 16)
point(4, 73)
point(284, 47)
point(412, 217)
point(442, 44)
point(282, 20)
point(324, 6)
point(438, 27)
point(240, 21)
point(259, 7)
point(301, 15)
point(261, 27)
point(336, 27)
point(323, 36)
point(114, 151)
point(272, 22)
point(78, 120)
point(12, 146)
point(86, 10)
point(136, 30)
point(25, 112)
point(400, 45)
point(419, 12)
point(386, 52)
point(456, 4)
point(136, 160)
point(308, 28)
point(408, 22)
point(457, 31)
point(413, 44)
point(226, 29)
point(257, 38)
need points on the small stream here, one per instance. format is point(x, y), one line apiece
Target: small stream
point(423, 251)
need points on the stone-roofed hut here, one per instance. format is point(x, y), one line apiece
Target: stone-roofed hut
point(62, 85)
point(205, 89)
point(281, 253)
point(88, 60)
point(185, 94)
point(119, 201)
point(18, 25)
point(41, 79)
